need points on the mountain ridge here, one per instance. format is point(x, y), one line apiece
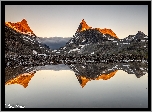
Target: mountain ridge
point(20, 39)
point(21, 27)
point(83, 26)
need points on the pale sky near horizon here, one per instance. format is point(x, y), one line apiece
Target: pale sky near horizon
point(63, 20)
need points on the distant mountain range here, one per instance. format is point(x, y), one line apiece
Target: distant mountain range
point(54, 42)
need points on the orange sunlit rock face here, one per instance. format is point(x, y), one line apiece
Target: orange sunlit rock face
point(104, 31)
point(22, 79)
point(84, 26)
point(107, 31)
point(106, 76)
point(84, 81)
point(21, 27)
point(102, 76)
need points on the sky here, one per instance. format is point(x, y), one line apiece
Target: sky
point(63, 20)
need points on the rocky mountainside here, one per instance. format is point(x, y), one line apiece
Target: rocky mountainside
point(135, 44)
point(104, 42)
point(88, 39)
point(21, 40)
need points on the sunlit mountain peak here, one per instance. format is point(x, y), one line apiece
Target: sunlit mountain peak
point(21, 27)
point(83, 26)
point(107, 31)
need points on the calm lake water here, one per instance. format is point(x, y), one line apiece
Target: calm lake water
point(58, 86)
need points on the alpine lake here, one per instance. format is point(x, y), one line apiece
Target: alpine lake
point(78, 85)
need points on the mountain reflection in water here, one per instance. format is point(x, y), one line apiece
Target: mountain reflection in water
point(22, 79)
point(84, 72)
point(83, 80)
point(93, 85)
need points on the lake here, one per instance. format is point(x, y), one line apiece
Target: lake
point(120, 85)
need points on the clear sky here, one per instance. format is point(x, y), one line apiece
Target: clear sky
point(63, 20)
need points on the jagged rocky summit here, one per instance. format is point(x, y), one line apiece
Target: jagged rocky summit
point(104, 42)
point(87, 40)
point(21, 27)
point(21, 40)
point(83, 26)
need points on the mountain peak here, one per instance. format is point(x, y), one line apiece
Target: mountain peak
point(24, 21)
point(21, 27)
point(140, 32)
point(83, 26)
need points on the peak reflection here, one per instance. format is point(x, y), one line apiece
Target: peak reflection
point(88, 72)
point(84, 72)
point(83, 80)
point(22, 79)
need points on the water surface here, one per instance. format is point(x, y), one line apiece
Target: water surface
point(58, 86)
